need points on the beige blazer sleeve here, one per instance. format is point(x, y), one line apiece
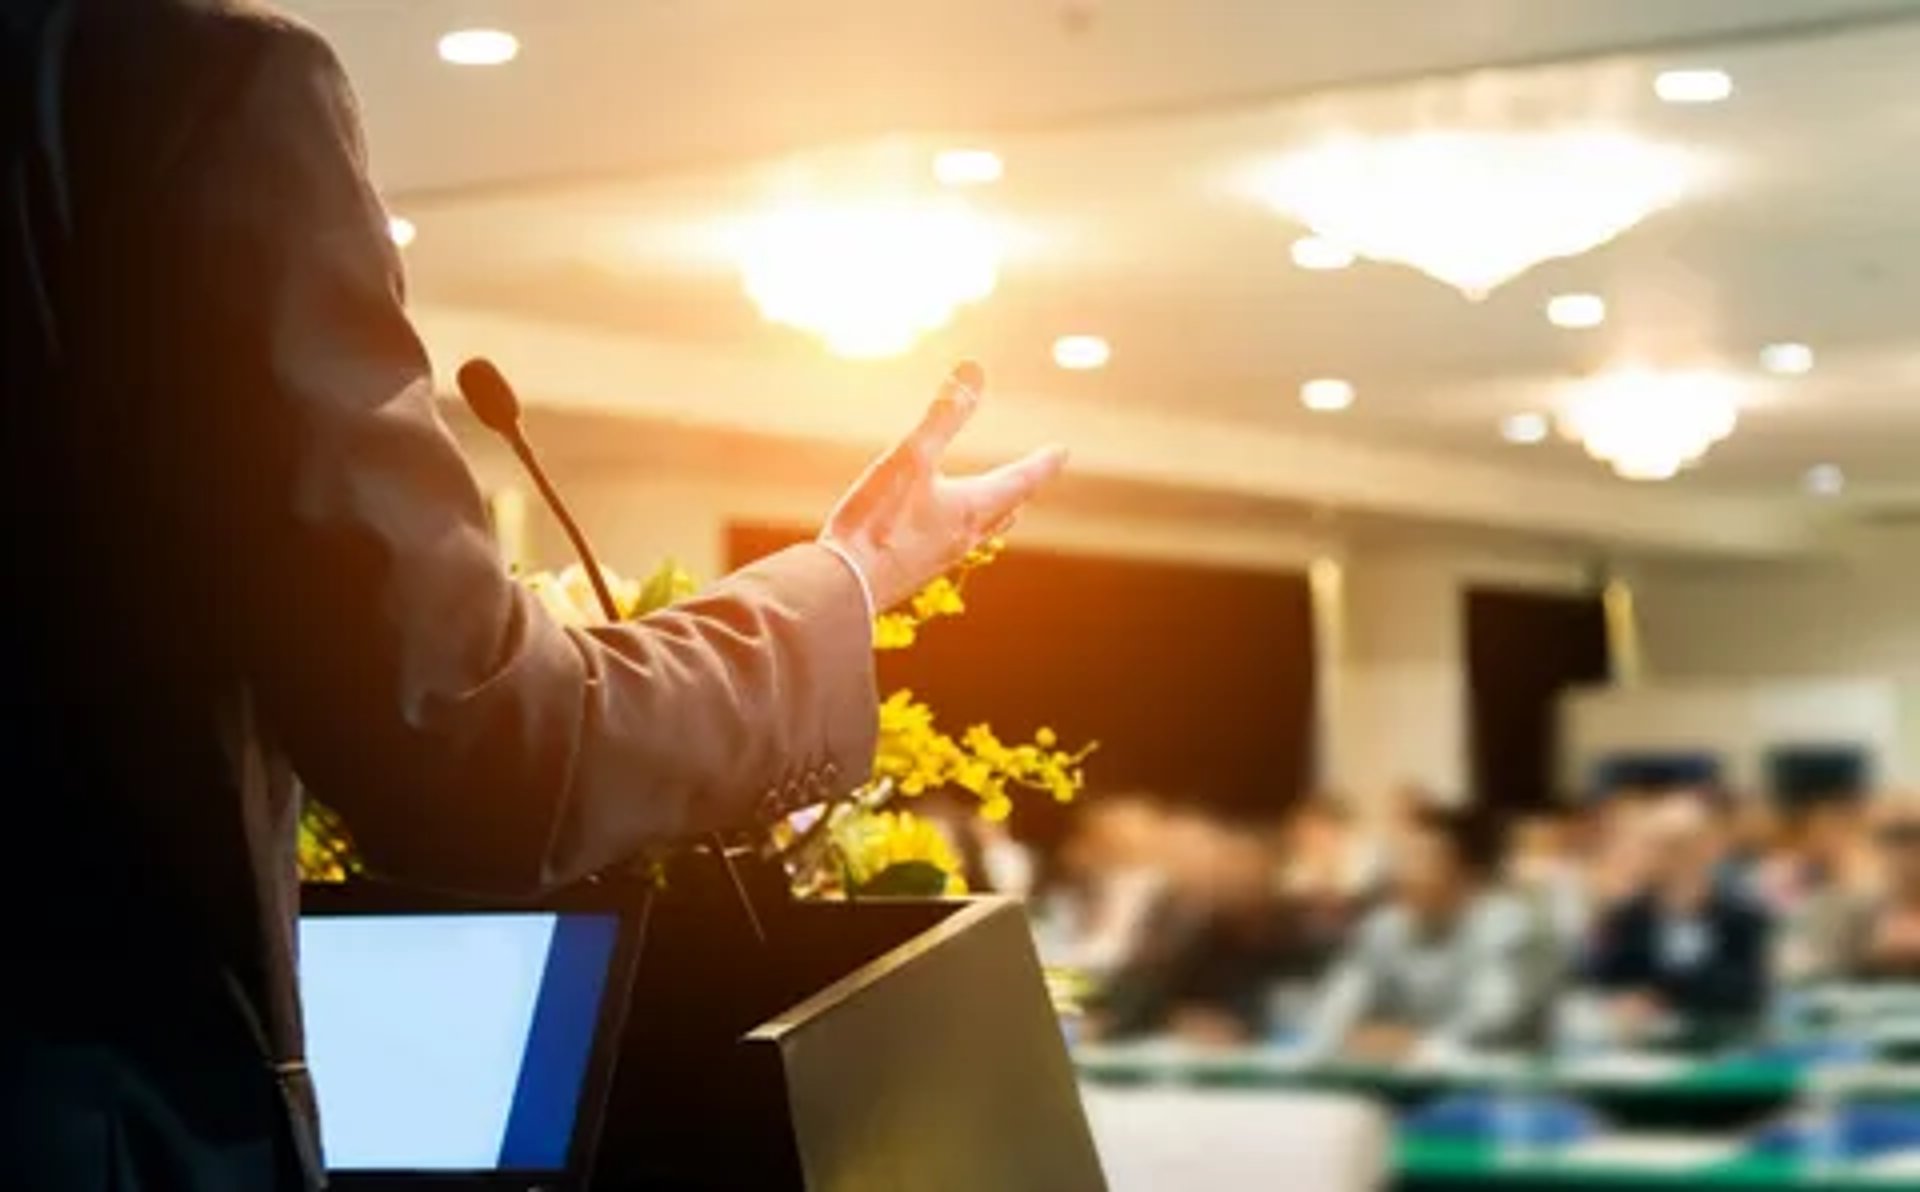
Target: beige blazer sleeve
point(468, 739)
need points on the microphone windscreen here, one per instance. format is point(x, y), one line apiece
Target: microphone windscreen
point(969, 374)
point(489, 396)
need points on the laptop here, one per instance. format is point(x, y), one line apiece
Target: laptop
point(456, 1046)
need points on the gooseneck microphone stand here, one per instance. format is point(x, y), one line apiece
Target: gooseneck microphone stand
point(495, 404)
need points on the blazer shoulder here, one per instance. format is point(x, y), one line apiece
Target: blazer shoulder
point(1749, 912)
point(257, 31)
point(184, 59)
point(201, 37)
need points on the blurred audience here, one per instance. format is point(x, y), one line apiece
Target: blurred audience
point(1448, 962)
point(1687, 957)
point(1657, 918)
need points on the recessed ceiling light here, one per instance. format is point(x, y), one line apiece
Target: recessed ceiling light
point(1081, 353)
point(1825, 480)
point(1693, 86)
point(1527, 427)
point(1576, 312)
point(401, 229)
point(967, 167)
point(1326, 394)
point(1787, 359)
point(479, 47)
point(1320, 255)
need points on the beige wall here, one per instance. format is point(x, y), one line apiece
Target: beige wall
point(1848, 620)
point(1855, 612)
point(1401, 714)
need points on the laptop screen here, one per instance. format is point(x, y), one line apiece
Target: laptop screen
point(452, 1042)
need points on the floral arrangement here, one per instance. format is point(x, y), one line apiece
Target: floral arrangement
point(861, 845)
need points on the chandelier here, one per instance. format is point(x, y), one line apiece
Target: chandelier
point(1475, 179)
point(1648, 425)
point(868, 278)
point(1476, 207)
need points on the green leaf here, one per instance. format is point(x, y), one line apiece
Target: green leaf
point(907, 879)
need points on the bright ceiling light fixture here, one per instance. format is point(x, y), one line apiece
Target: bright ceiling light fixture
point(1524, 428)
point(967, 167)
point(401, 230)
point(479, 47)
point(1649, 425)
point(1475, 208)
point(1576, 312)
point(1787, 359)
point(1317, 254)
point(868, 278)
point(1825, 480)
point(1081, 353)
point(1326, 395)
point(1693, 86)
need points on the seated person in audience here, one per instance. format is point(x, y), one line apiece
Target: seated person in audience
point(1889, 944)
point(1544, 869)
point(1211, 949)
point(1819, 889)
point(1617, 867)
point(1322, 854)
point(1112, 877)
point(1760, 845)
point(1687, 959)
point(1324, 871)
point(1449, 962)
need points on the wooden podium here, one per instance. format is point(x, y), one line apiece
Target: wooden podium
point(874, 1046)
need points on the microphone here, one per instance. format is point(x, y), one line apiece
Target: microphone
point(497, 406)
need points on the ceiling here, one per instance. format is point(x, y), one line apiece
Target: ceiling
point(585, 187)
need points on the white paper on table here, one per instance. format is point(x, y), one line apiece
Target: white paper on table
point(1902, 1168)
point(1646, 1152)
point(1627, 1067)
point(1444, 1060)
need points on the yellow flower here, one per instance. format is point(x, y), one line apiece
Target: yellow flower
point(872, 841)
point(941, 598)
point(894, 631)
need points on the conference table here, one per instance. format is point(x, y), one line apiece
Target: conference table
point(1670, 1122)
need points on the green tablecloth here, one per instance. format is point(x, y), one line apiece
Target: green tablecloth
point(1709, 1094)
point(1433, 1166)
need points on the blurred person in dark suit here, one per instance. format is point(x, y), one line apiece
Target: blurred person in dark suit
point(1688, 958)
point(1212, 946)
point(243, 547)
point(1326, 872)
point(1110, 877)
